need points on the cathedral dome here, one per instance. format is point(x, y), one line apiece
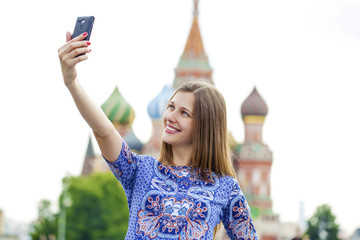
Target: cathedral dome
point(157, 105)
point(254, 105)
point(118, 110)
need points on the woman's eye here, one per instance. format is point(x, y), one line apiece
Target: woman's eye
point(186, 114)
point(171, 107)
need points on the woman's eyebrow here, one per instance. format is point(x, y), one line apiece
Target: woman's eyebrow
point(184, 108)
point(188, 110)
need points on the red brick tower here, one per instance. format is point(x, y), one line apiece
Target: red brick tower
point(253, 164)
point(255, 156)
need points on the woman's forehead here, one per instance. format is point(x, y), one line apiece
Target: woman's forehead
point(184, 100)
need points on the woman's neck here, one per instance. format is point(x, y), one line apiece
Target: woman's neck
point(181, 155)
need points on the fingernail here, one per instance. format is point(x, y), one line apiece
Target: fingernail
point(84, 34)
point(88, 43)
point(89, 50)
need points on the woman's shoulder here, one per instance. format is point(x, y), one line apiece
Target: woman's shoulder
point(230, 185)
point(128, 153)
point(227, 179)
point(145, 159)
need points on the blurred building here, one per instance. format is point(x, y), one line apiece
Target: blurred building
point(252, 159)
point(93, 162)
point(355, 235)
point(12, 230)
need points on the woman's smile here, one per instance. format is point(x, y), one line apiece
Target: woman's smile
point(170, 129)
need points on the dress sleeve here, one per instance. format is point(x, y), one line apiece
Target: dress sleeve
point(237, 217)
point(125, 167)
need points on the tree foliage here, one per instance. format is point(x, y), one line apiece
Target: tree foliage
point(93, 207)
point(322, 225)
point(46, 225)
point(98, 207)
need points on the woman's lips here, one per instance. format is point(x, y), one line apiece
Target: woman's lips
point(170, 129)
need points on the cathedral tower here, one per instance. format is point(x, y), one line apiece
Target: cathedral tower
point(253, 164)
point(194, 63)
point(255, 157)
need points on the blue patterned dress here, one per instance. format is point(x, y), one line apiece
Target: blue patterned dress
point(174, 203)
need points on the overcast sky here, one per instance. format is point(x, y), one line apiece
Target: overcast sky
point(303, 57)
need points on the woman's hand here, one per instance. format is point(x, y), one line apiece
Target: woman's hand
point(69, 55)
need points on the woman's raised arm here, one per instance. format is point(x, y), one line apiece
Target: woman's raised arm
point(70, 54)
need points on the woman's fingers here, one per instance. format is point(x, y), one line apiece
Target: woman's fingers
point(78, 51)
point(79, 38)
point(72, 50)
point(71, 46)
point(78, 59)
point(69, 42)
point(71, 53)
point(74, 56)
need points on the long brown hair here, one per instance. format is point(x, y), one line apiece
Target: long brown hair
point(210, 142)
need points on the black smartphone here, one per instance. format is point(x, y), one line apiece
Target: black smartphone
point(83, 24)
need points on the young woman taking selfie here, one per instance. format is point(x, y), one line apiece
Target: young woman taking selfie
point(191, 187)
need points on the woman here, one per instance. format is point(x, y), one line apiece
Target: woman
point(192, 187)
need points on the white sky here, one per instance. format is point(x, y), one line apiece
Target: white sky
point(303, 57)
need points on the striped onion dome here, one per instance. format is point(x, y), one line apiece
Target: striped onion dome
point(254, 105)
point(157, 105)
point(117, 109)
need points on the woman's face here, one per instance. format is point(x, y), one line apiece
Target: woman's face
point(178, 120)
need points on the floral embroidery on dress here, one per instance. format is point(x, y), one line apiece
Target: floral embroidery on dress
point(172, 219)
point(163, 214)
point(240, 217)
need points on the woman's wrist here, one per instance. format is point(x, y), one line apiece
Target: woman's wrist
point(72, 84)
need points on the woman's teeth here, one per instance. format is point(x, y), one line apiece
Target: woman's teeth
point(171, 129)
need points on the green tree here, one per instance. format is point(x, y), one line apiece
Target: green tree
point(46, 225)
point(322, 225)
point(97, 207)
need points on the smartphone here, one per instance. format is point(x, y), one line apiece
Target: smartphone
point(83, 24)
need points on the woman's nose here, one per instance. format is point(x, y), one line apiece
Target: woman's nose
point(171, 116)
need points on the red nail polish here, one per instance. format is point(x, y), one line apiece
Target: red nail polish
point(85, 33)
point(88, 43)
